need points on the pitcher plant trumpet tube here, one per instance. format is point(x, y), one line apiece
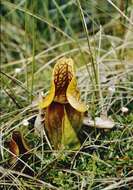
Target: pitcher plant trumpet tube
point(63, 107)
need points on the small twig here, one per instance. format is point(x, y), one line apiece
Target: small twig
point(15, 80)
point(117, 184)
point(13, 99)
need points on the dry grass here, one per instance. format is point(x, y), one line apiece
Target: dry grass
point(31, 41)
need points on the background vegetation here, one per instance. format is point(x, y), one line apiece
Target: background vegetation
point(98, 35)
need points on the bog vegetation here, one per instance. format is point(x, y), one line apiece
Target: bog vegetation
point(95, 36)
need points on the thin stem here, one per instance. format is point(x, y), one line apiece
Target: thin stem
point(33, 54)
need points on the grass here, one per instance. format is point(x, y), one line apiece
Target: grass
point(99, 37)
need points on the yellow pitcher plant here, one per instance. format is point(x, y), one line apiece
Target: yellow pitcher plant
point(63, 107)
point(18, 146)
